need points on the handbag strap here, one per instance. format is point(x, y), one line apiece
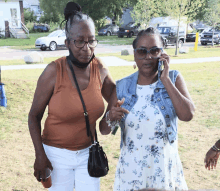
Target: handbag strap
point(83, 103)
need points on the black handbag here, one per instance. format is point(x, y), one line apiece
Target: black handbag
point(97, 162)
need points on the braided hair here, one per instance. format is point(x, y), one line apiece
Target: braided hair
point(73, 15)
point(149, 31)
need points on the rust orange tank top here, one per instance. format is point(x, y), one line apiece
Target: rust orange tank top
point(65, 126)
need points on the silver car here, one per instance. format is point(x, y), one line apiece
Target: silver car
point(109, 30)
point(52, 41)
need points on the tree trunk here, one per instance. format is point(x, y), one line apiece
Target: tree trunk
point(177, 38)
point(114, 18)
point(187, 27)
point(213, 28)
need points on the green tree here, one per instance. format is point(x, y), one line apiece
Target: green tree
point(196, 10)
point(50, 17)
point(29, 16)
point(145, 10)
point(178, 9)
point(96, 9)
point(212, 14)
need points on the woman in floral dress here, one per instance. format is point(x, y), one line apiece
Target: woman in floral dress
point(151, 102)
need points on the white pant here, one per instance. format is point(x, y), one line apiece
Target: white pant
point(70, 170)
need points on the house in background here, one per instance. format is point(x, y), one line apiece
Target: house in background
point(169, 21)
point(200, 25)
point(33, 5)
point(126, 16)
point(12, 19)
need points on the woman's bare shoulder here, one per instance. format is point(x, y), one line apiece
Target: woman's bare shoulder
point(49, 71)
point(101, 64)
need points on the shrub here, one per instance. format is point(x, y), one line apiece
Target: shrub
point(30, 26)
point(47, 18)
point(100, 23)
point(29, 16)
point(54, 26)
point(2, 33)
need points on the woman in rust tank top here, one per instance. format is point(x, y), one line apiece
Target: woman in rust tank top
point(64, 145)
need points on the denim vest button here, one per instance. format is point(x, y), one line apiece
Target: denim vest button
point(162, 107)
point(158, 99)
point(168, 125)
point(167, 116)
point(156, 90)
point(172, 141)
point(170, 133)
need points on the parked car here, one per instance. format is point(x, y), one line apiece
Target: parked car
point(41, 27)
point(52, 41)
point(169, 34)
point(164, 42)
point(109, 30)
point(129, 30)
point(2, 36)
point(191, 37)
point(206, 37)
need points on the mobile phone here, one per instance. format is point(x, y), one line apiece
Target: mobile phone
point(160, 64)
point(115, 128)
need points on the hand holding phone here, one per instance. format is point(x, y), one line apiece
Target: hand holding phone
point(160, 64)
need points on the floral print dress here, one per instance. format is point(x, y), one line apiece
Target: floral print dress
point(148, 160)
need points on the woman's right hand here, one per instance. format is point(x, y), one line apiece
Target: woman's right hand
point(211, 159)
point(40, 165)
point(117, 112)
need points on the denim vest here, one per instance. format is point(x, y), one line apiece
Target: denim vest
point(126, 88)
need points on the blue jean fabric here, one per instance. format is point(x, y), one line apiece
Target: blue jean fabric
point(126, 88)
point(3, 100)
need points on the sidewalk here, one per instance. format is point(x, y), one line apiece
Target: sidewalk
point(6, 53)
point(115, 61)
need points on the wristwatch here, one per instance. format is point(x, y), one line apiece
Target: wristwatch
point(215, 148)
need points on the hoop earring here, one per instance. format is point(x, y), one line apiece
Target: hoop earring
point(134, 66)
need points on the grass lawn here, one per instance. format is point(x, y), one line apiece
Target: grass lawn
point(22, 62)
point(195, 137)
point(114, 40)
point(27, 44)
point(23, 43)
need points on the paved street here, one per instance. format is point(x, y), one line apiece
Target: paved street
point(115, 61)
point(10, 54)
point(6, 53)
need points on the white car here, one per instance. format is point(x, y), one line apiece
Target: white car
point(52, 41)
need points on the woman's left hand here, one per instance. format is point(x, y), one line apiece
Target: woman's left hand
point(166, 60)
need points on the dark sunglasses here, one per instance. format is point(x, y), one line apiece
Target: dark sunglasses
point(155, 52)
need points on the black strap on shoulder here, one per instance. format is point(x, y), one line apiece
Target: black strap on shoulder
point(84, 106)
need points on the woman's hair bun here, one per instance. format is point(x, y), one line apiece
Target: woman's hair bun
point(71, 9)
